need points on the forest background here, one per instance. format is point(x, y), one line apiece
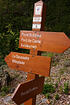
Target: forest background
point(16, 15)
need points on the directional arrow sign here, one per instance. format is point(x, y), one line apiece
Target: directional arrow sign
point(28, 63)
point(28, 90)
point(44, 41)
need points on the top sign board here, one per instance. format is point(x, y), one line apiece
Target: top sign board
point(44, 41)
point(39, 16)
point(38, 8)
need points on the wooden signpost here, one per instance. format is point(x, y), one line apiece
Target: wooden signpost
point(28, 90)
point(36, 40)
point(29, 63)
point(44, 41)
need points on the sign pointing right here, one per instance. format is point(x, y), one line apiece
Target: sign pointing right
point(44, 41)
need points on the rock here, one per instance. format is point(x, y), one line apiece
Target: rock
point(45, 100)
point(12, 90)
point(68, 102)
point(7, 99)
point(69, 96)
point(4, 77)
point(0, 83)
point(67, 63)
point(1, 63)
point(1, 72)
point(7, 78)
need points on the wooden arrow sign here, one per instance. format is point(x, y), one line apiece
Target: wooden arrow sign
point(44, 41)
point(28, 90)
point(28, 63)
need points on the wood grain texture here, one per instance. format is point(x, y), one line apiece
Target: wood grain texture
point(28, 90)
point(31, 76)
point(44, 41)
point(34, 64)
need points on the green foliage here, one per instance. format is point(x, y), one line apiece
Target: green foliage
point(48, 88)
point(49, 54)
point(61, 89)
point(58, 16)
point(66, 88)
point(2, 62)
point(55, 63)
point(16, 15)
point(63, 70)
point(8, 41)
point(48, 95)
point(57, 97)
point(3, 93)
point(19, 13)
point(56, 85)
point(5, 89)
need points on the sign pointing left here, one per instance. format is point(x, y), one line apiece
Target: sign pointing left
point(28, 63)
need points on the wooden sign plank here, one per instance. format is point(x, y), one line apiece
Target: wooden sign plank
point(28, 90)
point(28, 63)
point(44, 41)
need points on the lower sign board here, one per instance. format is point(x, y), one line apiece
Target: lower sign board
point(44, 41)
point(28, 63)
point(28, 90)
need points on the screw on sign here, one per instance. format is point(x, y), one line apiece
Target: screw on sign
point(28, 90)
point(35, 64)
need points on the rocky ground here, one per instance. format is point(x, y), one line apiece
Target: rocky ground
point(59, 76)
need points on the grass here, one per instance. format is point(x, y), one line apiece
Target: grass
point(3, 93)
point(49, 54)
point(48, 88)
point(61, 89)
point(66, 88)
point(5, 90)
point(48, 96)
point(61, 71)
point(57, 97)
point(56, 85)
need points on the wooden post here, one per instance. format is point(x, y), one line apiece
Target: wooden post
point(31, 76)
point(38, 20)
point(33, 100)
point(47, 41)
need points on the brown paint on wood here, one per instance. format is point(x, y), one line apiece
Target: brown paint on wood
point(28, 90)
point(28, 63)
point(44, 41)
point(31, 101)
point(31, 76)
